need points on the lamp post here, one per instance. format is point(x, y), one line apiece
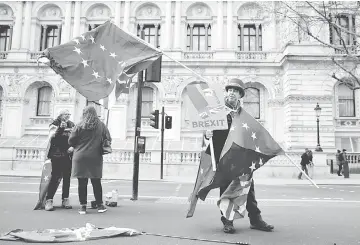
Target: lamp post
point(318, 113)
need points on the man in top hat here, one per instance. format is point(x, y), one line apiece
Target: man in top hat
point(235, 90)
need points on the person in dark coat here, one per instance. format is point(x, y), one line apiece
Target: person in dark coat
point(87, 138)
point(235, 90)
point(305, 160)
point(60, 155)
point(345, 163)
point(338, 162)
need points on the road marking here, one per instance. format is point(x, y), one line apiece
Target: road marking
point(352, 191)
point(341, 190)
point(174, 198)
point(176, 193)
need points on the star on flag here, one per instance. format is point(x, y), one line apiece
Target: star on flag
point(92, 39)
point(77, 50)
point(84, 62)
point(232, 128)
point(252, 167)
point(77, 41)
point(95, 74)
point(46, 178)
point(253, 135)
point(102, 47)
point(113, 55)
point(244, 125)
point(83, 38)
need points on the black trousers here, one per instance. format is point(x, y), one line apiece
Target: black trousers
point(82, 189)
point(251, 204)
point(340, 168)
point(61, 168)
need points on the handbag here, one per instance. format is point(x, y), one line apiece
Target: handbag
point(105, 145)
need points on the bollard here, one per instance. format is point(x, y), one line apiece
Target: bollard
point(331, 166)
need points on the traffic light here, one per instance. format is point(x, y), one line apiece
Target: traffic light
point(168, 122)
point(154, 118)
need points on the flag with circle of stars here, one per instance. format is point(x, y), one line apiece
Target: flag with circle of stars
point(248, 147)
point(96, 61)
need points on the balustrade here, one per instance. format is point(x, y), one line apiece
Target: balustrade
point(3, 55)
point(198, 55)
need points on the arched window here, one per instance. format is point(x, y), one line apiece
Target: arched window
point(346, 101)
point(5, 32)
point(198, 37)
point(249, 37)
point(44, 100)
point(147, 101)
point(252, 102)
point(151, 32)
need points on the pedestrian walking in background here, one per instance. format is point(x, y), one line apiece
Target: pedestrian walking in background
point(87, 139)
point(60, 156)
point(345, 164)
point(305, 160)
point(311, 164)
point(339, 162)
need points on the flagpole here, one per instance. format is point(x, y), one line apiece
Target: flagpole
point(301, 171)
point(213, 163)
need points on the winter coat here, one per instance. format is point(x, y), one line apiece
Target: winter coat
point(59, 139)
point(305, 159)
point(87, 161)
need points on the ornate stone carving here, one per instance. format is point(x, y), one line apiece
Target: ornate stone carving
point(13, 81)
point(252, 70)
point(199, 10)
point(64, 87)
point(51, 12)
point(65, 100)
point(308, 98)
point(171, 83)
point(276, 103)
point(278, 84)
point(200, 70)
point(100, 11)
point(250, 11)
point(148, 11)
point(16, 100)
point(5, 11)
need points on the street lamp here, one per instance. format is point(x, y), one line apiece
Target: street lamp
point(318, 113)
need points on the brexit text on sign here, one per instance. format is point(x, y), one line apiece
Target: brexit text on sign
point(207, 109)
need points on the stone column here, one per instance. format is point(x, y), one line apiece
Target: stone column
point(43, 37)
point(177, 24)
point(117, 13)
point(76, 31)
point(18, 26)
point(350, 36)
point(220, 25)
point(67, 25)
point(60, 30)
point(25, 44)
point(256, 37)
point(191, 36)
point(229, 17)
point(206, 36)
point(242, 36)
point(156, 35)
point(168, 25)
point(126, 15)
point(11, 36)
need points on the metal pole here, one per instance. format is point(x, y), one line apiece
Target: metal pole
point(162, 143)
point(318, 147)
point(137, 133)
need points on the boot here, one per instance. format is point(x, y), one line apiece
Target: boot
point(259, 224)
point(228, 225)
point(66, 203)
point(49, 205)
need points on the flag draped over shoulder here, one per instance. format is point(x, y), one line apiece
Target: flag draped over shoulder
point(95, 62)
point(248, 147)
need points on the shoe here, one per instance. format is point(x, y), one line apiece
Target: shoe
point(66, 203)
point(228, 225)
point(49, 205)
point(82, 209)
point(261, 225)
point(101, 208)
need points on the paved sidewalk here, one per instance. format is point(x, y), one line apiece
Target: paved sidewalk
point(331, 179)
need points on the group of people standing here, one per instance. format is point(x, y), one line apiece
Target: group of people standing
point(76, 151)
point(342, 162)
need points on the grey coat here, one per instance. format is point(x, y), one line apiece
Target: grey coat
point(87, 161)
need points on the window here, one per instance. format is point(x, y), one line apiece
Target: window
point(249, 38)
point(50, 37)
point(147, 101)
point(44, 100)
point(338, 36)
point(198, 38)
point(346, 100)
point(92, 26)
point(4, 38)
point(152, 34)
point(252, 102)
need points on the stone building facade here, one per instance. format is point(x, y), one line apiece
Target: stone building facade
point(285, 71)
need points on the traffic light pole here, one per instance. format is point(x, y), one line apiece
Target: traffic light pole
point(162, 143)
point(137, 133)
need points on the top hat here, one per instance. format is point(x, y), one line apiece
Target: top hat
point(236, 84)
